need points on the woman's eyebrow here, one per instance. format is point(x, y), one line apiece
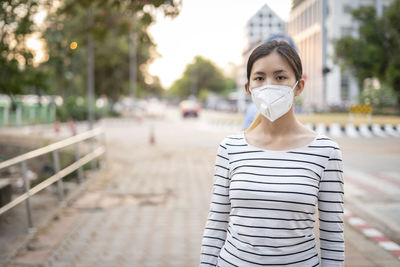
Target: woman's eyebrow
point(279, 71)
point(259, 73)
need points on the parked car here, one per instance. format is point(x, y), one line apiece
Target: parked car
point(189, 108)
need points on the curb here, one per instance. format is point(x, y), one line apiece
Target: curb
point(355, 131)
point(372, 234)
point(334, 129)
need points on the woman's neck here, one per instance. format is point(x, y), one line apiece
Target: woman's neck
point(285, 125)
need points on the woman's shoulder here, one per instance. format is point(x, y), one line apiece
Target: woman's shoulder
point(325, 141)
point(327, 147)
point(234, 138)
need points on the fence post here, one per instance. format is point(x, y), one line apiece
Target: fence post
point(60, 186)
point(91, 148)
point(103, 136)
point(43, 114)
point(77, 157)
point(53, 107)
point(5, 116)
point(18, 115)
point(26, 189)
point(31, 114)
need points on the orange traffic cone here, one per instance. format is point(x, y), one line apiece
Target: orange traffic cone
point(57, 126)
point(72, 126)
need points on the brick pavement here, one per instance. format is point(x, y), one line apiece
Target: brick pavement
point(149, 209)
point(146, 216)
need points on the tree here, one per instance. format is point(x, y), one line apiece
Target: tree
point(113, 21)
point(374, 54)
point(200, 77)
point(18, 73)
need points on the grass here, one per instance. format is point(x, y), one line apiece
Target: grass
point(345, 118)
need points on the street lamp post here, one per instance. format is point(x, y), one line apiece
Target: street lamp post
point(132, 65)
point(90, 80)
point(324, 48)
point(90, 70)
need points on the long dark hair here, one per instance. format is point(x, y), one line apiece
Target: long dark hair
point(284, 49)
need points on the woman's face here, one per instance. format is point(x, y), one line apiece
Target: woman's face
point(271, 69)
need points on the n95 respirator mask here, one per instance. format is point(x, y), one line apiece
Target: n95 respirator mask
point(273, 101)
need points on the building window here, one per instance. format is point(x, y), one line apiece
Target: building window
point(279, 25)
point(347, 9)
point(270, 25)
point(326, 10)
point(270, 15)
point(344, 87)
point(260, 15)
point(346, 31)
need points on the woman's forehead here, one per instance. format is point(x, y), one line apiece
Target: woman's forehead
point(271, 63)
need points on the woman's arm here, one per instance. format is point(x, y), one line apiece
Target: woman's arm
point(217, 221)
point(330, 207)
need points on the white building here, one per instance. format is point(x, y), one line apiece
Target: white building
point(264, 23)
point(314, 25)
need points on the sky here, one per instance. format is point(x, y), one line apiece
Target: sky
point(214, 29)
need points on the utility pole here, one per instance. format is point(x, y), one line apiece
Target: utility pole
point(132, 63)
point(90, 70)
point(193, 83)
point(90, 79)
point(324, 51)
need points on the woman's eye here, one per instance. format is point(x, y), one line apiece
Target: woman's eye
point(258, 78)
point(280, 78)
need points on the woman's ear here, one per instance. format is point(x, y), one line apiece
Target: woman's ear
point(299, 88)
point(246, 86)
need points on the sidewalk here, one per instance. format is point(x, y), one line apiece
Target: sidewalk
point(149, 209)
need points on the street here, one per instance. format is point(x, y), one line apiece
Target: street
point(149, 207)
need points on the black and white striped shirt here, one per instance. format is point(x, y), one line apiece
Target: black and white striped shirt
point(263, 205)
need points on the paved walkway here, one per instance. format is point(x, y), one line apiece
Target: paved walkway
point(149, 207)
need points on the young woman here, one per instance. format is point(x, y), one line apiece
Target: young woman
point(270, 179)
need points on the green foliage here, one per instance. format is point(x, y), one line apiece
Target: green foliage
point(199, 78)
point(375, 53)
point(77, 109)
point(203, 94)
point(112, 23)
point(18, 74)
point(380, 98)
point(65, 71)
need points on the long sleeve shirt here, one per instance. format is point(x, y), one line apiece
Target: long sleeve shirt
point(263, 205)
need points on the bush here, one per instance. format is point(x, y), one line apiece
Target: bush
point(77, 109)
point(382, 99)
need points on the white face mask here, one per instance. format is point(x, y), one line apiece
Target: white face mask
point(273, 101)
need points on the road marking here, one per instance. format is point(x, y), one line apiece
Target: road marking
point(373, 234)
point(389, 245)
point(368, 188)
point(356, 221)
point(372, 182)
point(387, 178)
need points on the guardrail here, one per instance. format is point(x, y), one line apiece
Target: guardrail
point(59, 174)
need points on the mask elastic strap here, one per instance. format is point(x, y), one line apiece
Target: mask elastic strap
point(294, 86)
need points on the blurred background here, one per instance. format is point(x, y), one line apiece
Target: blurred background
point(111, 113)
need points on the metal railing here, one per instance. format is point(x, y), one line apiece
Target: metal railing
point(59, 174)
